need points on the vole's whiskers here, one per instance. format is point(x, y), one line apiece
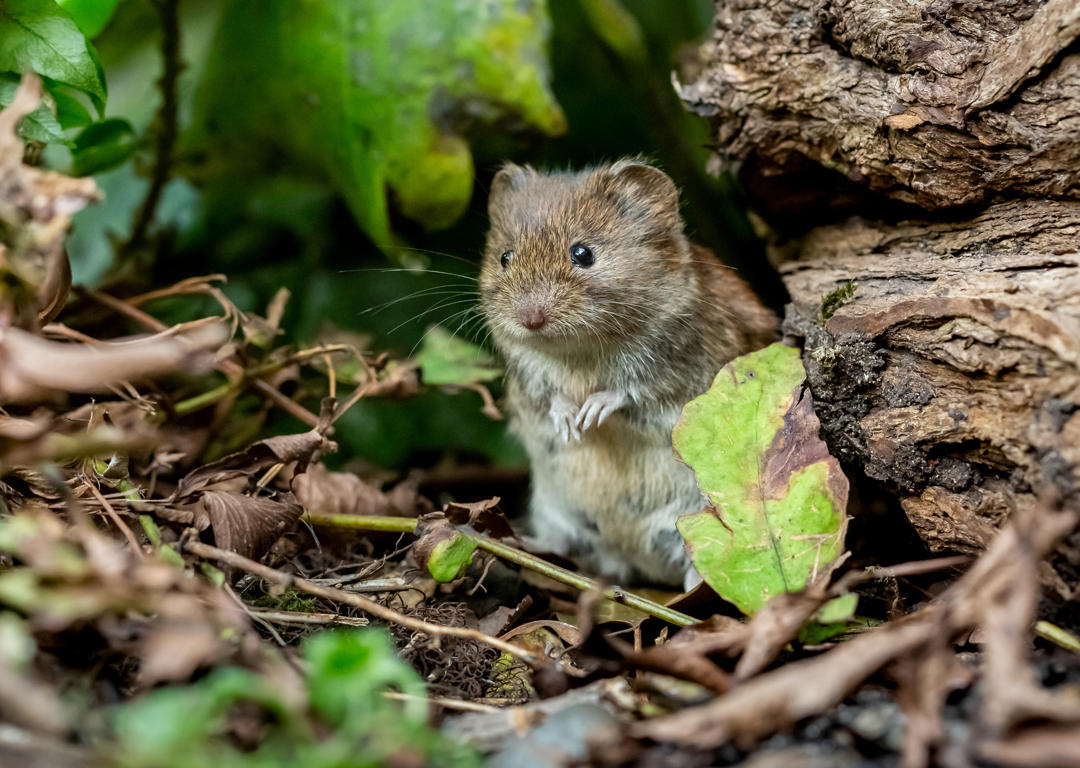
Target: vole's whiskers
point(459, 275)
point(438, 290)
point(450, 302)
point(428, 252)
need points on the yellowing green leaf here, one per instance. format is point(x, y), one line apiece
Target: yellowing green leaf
point(778, 498)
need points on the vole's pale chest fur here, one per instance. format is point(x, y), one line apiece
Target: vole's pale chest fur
point(610, 321)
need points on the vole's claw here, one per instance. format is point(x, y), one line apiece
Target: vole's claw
point(564, 414)
point(597, 407)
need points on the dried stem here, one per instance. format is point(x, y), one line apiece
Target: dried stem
point(228, 367)
point(249, 376)
point(168, 12)
point(506, 552)
point(117, 520)
point(378, 610)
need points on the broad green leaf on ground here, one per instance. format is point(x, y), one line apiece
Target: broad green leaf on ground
point(777, 516)
point(375, 95)
point(102, 146)
point(90, 15)
point(446, 359)
point(37, 35)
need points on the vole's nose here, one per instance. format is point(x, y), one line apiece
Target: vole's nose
point(532, 317)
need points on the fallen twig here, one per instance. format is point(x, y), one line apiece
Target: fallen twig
point(505, 551)
point(228, 367)
point(307, 617)
point(195, 547)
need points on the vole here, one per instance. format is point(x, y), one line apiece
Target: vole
point(610, 321)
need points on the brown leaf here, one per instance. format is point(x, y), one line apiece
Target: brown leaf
point(174, 650)
point(248, 525)
point(343, 493)
point(261, 455)
point(482, 516)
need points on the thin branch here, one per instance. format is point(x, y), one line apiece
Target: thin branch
point(249, 376)
point(287, 580)
point(117, 520)
point(229, 367)
point(506, 552)
point(307, 617)
point(167, 122)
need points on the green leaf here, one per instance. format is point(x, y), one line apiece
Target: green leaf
point(372, 94)
point(91, 15)
point(102, 146)
point(445, 359)
point(40, 125)
point(70, 112)
point(450, 557)
point(38, 35)
point(349, 670)
point(838, 609)
point(778, 498)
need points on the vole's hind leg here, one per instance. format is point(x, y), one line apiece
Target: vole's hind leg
point(553, 527)
point(564, 413)
point(598, 406)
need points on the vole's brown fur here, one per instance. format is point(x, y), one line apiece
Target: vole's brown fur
point(601, 357)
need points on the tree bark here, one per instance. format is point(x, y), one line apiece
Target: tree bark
point(929, 152)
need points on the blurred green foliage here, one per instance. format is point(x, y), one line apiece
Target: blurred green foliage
point(345, 721)
point(326, 145)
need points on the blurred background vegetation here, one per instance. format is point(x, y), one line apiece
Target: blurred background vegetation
point(343, 150)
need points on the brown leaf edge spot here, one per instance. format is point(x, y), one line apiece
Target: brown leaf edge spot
point(797, 445)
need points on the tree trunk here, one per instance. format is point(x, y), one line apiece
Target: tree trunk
point(929, 152)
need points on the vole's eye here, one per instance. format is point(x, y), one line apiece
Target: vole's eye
point(506, 258)
point(581, 255)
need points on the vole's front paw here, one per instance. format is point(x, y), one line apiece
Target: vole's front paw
point(597, 407)
point(564, 412)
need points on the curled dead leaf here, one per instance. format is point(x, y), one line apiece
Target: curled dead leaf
point(300, 448)
point(32, 368)
point(482, 516)
point(343, 493)
point(245, 524)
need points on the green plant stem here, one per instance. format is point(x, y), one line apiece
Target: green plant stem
point(212, 396)
point(506, 552)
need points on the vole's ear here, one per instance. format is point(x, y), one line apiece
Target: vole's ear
point(509, 178)
point(642, 190)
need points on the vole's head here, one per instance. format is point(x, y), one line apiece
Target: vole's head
point(580, 259)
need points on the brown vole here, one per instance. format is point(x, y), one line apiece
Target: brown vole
point(610, 321)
